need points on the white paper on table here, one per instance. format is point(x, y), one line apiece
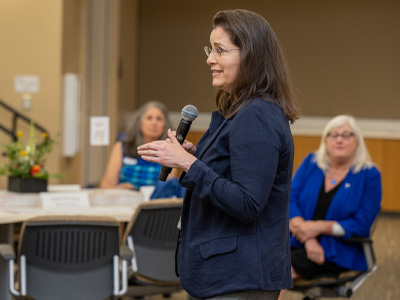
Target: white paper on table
point(64, 200)
point(63, 187)
point(147, 191)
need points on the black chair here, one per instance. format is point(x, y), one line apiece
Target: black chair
point(68, 257)
point(345, 285)
point(152, 236)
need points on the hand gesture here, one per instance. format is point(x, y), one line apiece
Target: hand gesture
point(188, 146)
point(169, 153)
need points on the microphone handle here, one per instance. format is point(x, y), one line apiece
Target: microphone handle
point(181, 132)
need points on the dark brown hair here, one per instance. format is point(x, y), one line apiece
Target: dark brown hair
point(262, 67)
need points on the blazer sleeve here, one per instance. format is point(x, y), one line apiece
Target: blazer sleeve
point(298, 183)
point(360, 223)
point(253, 147)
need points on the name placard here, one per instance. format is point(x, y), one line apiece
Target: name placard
point(64, 200)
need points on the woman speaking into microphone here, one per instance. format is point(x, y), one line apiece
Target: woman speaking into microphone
point(234, 238)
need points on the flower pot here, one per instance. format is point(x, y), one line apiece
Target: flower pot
point(26, 185)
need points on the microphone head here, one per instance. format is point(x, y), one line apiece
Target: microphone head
point(189, 113)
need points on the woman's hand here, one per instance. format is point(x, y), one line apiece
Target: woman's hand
point(294, 224)
point(307, 230)
point(169, 153)
point(314, 251)
point(188, 146)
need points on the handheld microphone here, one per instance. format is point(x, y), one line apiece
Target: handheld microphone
point(189, 114)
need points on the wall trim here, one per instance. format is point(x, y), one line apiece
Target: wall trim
point(313, 125)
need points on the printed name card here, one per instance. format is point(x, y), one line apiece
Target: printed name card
point(64, 200)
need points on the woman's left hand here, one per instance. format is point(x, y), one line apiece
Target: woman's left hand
point(169, 153)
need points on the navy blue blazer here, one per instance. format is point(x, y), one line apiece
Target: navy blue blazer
point(234, 225)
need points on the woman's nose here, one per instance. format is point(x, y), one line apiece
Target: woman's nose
point(339, 138)
point(211, 59)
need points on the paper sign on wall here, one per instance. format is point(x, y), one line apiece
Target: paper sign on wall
point(100, 131)
point(64, 200)
point(26, 84)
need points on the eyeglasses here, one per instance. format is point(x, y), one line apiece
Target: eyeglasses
point(217, 52)
point(344, 135)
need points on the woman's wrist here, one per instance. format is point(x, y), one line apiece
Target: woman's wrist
point(311, 241)
point(325, 227)
point(188, 163)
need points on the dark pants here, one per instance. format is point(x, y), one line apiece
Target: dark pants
point(308, 269)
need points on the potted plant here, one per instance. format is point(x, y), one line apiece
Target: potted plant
point(25, 169)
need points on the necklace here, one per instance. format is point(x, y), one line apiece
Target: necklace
point(336, 175)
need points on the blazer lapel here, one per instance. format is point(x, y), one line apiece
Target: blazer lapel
point(212, 138)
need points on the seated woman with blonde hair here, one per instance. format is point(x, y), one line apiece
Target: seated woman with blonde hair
point(336, 194)
point(125, 168)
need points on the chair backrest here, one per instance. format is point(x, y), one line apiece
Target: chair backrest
point(69, 257)
point(152, 235)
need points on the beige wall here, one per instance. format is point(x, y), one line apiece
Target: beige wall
point(48, 38)
point(343, 55)
point(128, 59)
point(30, 39)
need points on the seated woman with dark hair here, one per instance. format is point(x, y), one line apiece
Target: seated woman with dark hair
point(336, 194)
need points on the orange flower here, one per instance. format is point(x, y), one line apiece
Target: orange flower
point(44, 134)
point(20, 133)
point(35, 169)
point(23, 153)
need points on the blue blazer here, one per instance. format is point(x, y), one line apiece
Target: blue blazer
point(354, 206)
point(234, 229)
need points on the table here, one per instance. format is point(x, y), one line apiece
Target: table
point(116, 203)
point(16, 208)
